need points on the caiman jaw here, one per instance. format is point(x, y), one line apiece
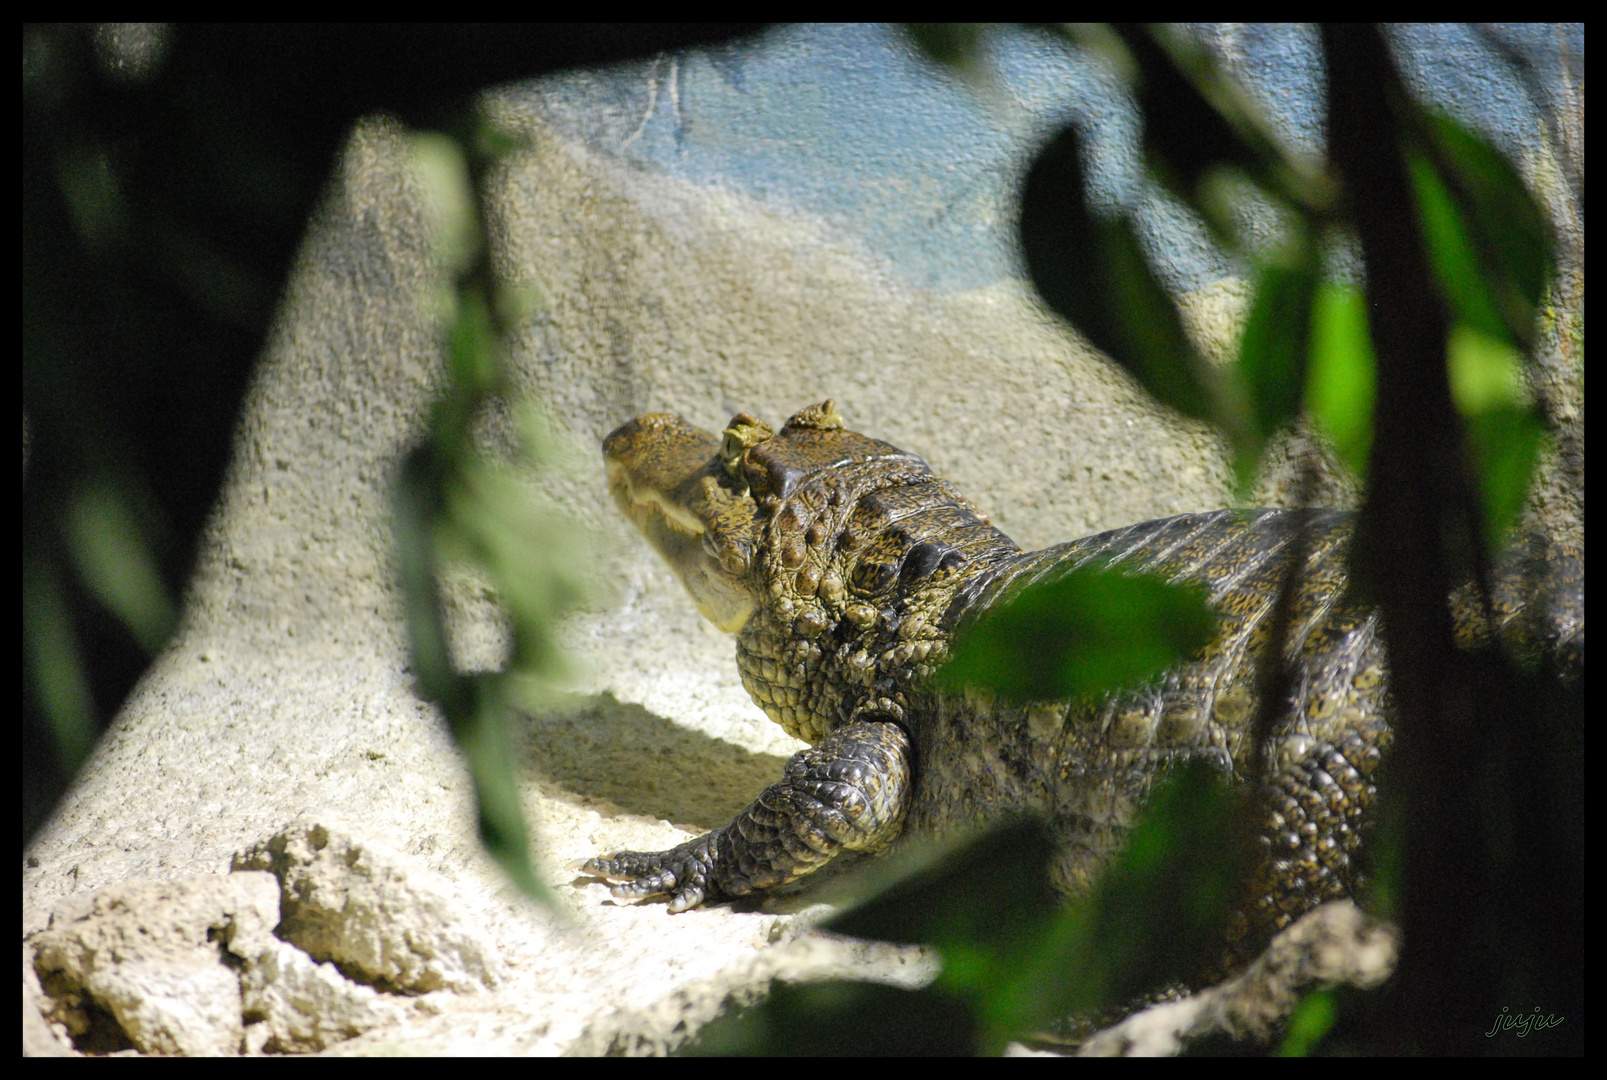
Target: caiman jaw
point(669, 479)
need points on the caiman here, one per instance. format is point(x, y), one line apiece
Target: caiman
point(844, 567)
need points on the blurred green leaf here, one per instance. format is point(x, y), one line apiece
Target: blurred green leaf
point(1025, 958)
point(456, 503)
point(414, 508)
point(1186, 137)
point(1503, 427)
point(1489, 241)
point(1506, 447)
point(472, 345)
point(1185, 134)
point(476, 706)
point(954, 45)
point(1312, 1019)
point(117, 564)
point(1157, 916)
point(1450, 250)
point(527, 549)
point(987, 905)
point(1509, 231)
point(1181, 869)
point(1093, 272)
point(1486, 373)
point(1088, 633)
point(843, 1019)
point(990, 892)
point(488, 748)
point(1199, 123)
point(91, 190)
point(1060, 238)
point(56, 663)
point(1341, 375)
point(449, 197)
point(1271, 367)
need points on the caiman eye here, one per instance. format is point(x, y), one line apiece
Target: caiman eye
point(731, 451)
point(743, 432)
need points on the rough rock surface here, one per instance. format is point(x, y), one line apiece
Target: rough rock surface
point(153, 955)
point(212, 964)
point(373, 913)
point(1337, 944)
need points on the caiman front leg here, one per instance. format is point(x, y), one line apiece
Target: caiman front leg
point(849, 792)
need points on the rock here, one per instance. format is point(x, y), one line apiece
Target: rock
point(374, 913)
point(154, 955)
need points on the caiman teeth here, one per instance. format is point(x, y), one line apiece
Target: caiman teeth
point(643, 504)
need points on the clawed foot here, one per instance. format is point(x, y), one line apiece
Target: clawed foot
point(682, 873)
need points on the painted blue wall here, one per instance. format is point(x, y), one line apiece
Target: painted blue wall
point(849, 124)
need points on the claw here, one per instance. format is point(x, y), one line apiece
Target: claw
point(685, 900)
point(679, 874)
point(600, 868)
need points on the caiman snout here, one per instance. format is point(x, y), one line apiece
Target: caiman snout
point(671, 482)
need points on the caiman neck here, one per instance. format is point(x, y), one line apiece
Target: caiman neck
point(859, 567)
point(833, 557)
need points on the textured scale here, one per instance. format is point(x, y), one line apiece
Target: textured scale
point(844, 567)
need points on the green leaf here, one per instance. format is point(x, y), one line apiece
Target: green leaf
point(1450, 249)
point(527, 549)
point(1027, 958)
point(843, 1019)
point(1061, 241)
point(484, 736)
point(987, 906)
point(1506, 448)
point(1485, 372)
point(1271, 369)
point(1201, 125)
point(1201, 131)
point(1185, 135)
point(1509, 231)
point(1341, 376)
point(57, 664)
point(474, 349)
point(1313, 1018)
point(116, 562)
point(443, 171)
point(1179, 872)
point(954, 44)
point(1154, 347)
point(475, 706)
point(414, 508)
point(453, 502)
point(1094, 274)
point(988, 893)
point(1088, 633)
point(1503, 428)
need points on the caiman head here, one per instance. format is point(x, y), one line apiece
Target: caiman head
point(811, 544)
point(705, 501)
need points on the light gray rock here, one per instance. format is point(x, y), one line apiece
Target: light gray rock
point(1335, 945)
point(40, 1037)
point(374, 913)
point(194, 966)
point(293, 1003)
point(152, 955)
